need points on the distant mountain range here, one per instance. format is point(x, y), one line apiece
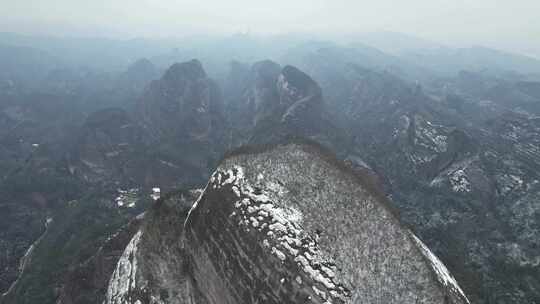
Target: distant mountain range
point(388, 48)
point(430, 156)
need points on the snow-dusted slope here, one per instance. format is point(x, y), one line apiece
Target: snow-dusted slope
point(281, 224)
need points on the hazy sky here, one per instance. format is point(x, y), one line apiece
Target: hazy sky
point(508, 23)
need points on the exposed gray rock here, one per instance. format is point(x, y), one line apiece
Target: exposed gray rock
point(154, 266)
point(261, 232)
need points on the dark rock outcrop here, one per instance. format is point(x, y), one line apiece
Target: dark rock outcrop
point(183, 104)
point(154, 266)
point(260, 233)
point(182, 111)
point(183, 120)
point(284, 102)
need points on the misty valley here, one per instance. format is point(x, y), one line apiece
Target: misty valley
point(278, 169)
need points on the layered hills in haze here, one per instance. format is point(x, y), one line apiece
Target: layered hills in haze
point(290, 172)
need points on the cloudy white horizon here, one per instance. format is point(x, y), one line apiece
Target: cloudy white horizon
point(507, 25)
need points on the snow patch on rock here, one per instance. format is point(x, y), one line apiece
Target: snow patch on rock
point(443, 275)
point(123, 281)
point(459, 181)
point(281, 226)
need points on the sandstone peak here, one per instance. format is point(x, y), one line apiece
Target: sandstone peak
point(260, 233)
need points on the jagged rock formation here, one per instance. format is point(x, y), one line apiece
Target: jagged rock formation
point(183, 119)
point(262, 95)
point(182, 111)
point(154, 266)
point(279, 103)
point(260, 233)
point(184, 103)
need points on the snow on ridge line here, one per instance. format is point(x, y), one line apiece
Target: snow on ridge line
point(281, 227)
point(216, 177)
point(196, 203)
point(123, 279)
point(443, 275)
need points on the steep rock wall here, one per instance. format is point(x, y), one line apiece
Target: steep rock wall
point(281, 224)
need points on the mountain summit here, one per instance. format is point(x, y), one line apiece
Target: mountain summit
point(260, 233)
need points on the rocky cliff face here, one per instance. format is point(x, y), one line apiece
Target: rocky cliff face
point(182, 111)
point(154, 266)
point(183, 120)
point(282, 102)
point(260, 233)
point(184, 103)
